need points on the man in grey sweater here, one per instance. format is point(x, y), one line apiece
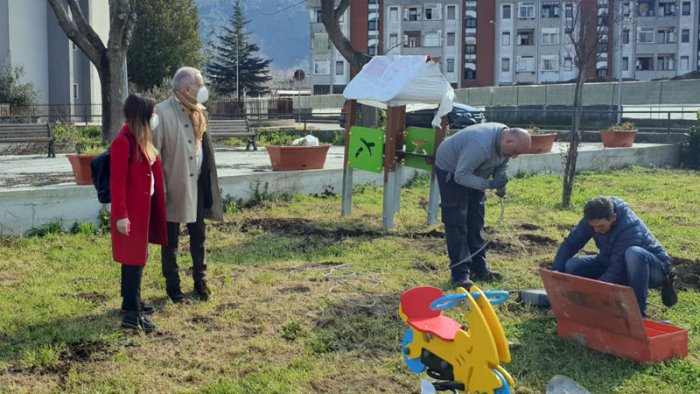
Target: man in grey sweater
point(467, 163)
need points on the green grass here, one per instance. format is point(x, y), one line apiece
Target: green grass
point(305, 301)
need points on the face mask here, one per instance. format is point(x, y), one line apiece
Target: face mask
point(203, 95)
point(155, 121)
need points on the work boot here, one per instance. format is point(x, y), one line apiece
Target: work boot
point(488, 276)
point(175, 295)
point(668, 291)
point(145, 310)
point(465, 283)
point(134, 321)
point(202, 290)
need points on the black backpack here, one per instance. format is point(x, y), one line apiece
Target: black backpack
point(100, 166)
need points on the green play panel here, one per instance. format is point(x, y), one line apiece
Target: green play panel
point(419, 140)
point(366, 149)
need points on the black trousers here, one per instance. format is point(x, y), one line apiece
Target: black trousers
point(197, 232)
point(131, 287)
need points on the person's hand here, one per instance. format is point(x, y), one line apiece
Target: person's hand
point(498, 183)
point(501, 192)
point(124, 226)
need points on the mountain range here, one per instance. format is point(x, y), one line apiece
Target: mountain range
point(279, 27)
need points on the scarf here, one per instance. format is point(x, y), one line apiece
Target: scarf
point(199, 122)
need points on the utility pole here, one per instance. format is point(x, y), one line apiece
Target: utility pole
point(621, 22)
point(238, 94)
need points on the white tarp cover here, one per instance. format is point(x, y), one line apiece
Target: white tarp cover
point(394, 81)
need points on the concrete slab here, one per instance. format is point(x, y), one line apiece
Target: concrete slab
point(35, 190)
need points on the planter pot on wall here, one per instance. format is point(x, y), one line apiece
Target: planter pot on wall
point(618, 138)
point(81, 168)
point(294, 158)
point(541, 143)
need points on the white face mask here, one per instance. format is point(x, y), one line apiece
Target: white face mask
point(203, 95)
point(155, 121)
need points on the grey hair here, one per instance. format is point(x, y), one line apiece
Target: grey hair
point(184, 77)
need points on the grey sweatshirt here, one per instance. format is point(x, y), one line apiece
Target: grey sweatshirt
point(473, 154)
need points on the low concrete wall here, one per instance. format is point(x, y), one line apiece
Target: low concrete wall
point(24, 208)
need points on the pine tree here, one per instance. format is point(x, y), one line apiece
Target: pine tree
point(233, 61)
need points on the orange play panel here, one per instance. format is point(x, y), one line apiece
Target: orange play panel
point(606, 317)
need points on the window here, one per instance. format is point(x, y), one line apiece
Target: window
point(666, 62)
point(411, 39)
point(394, 14)
point(601, 72)
point(525, 37)
point(550, 63)
point(685, 63)
point(667, 8)
point(626, 9)
point(450, 39)
point(625, 63)
point(75, 91)
point(505, 64)
point(526, 64)
point(470, 49)
point(644, 63)
point(432, 40)
point(645, 35)
point(339, 68)
point(625, 36)
point(393, 41)
point(470, 73)
point(451, 12)
point(322, 68)
point(550, 36)
point(550, 11)
point(505, 38)
point(646, 8)
point(320, 43)
point(568, 11)
point(372, 25)
point(318, 16)
point(413, 14)
point(372, 50)
point(450, 65)
point(470, 22)
point(685, 8)
point(505, 11)
point(526, 11)
point(568, 64)
point(685, 35)
point(666, 35)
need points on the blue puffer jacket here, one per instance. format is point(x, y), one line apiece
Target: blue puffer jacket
point(627, 231)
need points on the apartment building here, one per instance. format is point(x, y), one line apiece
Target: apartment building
point(31, 38)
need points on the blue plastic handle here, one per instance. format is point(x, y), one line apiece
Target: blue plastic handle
point(495, 297)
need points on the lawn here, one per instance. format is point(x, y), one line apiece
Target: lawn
point(305, 301)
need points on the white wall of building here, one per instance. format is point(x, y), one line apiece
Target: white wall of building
point(28, 43)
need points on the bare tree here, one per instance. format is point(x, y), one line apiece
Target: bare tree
point(589, 32)
point(330, 16)
point(109, 60)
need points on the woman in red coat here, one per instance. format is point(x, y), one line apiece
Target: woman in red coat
point(138, 204)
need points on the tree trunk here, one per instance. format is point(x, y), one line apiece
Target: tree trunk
point(572, 153)
point(113, 95)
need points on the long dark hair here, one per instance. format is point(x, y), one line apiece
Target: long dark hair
point(138, 110)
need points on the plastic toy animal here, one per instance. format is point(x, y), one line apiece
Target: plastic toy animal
point(466, 358)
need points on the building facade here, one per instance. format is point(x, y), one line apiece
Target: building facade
point(31, 38)
point(509, 42)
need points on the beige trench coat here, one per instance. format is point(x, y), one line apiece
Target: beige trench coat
point(174, 140)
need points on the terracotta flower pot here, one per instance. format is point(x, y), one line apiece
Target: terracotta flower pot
point(81, 168)
point(541, 143)
point(294, 158)
point(618, 138)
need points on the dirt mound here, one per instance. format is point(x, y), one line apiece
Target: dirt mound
point(687, 273)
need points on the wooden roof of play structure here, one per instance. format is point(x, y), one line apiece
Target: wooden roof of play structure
point(394, 81)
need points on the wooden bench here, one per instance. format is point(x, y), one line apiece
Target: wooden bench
point(233, 128)
point(11, 133)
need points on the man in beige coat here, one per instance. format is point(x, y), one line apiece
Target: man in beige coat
point(191, 181)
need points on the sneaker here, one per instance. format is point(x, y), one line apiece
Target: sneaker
point(202, 290)
point(668, 291)
point(488, 276)
point(133, 321)
point(466, 284)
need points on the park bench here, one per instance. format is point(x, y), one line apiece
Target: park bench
point(11, 133)
point(238, 128)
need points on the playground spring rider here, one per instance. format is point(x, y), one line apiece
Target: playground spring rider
point(467, 357)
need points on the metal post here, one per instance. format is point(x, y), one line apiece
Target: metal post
point(619, 64)
point(346, 207)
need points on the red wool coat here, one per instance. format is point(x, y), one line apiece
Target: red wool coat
point(130, 188)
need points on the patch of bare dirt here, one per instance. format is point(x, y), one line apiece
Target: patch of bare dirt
point(539, 240)
point(85, 351)
point(93, 297)
point(502, 247)
point(687, 273)
point(529, 227)
point(304, 227)
point(201, 320)
point(295, 290)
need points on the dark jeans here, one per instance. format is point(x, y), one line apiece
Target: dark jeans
point(643, 270)
point(131, 287)
point(197, 232)
point(463, 213)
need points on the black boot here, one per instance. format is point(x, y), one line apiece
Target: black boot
point(202, 290)
point(175, 295)
point(146, 309)
point(134, 321)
